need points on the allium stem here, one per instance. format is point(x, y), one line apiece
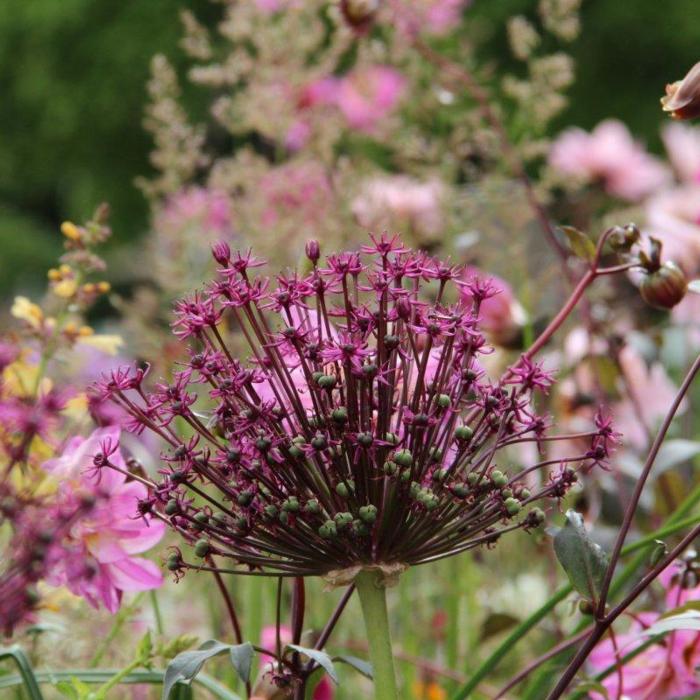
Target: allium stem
point(373, 600)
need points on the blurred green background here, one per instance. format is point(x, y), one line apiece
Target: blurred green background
point(73, 75)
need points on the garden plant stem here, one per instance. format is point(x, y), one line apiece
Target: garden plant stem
point(372, 594)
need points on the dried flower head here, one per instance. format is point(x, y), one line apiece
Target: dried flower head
point(362, 432)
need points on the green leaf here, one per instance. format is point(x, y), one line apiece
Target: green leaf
point(242, 659)
point(581, 245)
point(67, 689)
point(144, 651)
point(584, 562)
point(185, 666)
point(320, 657)
point(25, 669)
point(360, 665)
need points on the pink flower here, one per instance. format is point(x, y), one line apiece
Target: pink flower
point(651, 393)
point(683, 147)
point(298, 190)
point(401, 203)
point(610, 154)
point(664, 670)
point(368, 95)
point(500, 315)
point(209, 209)
point(430, 16)
point(97, 560)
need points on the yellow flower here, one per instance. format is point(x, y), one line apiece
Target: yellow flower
point(65, 288)
point(27, 311)
point(70, 230)
point(108, 344)
point(428, 691)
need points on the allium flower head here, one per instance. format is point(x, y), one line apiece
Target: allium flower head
point(360, 432)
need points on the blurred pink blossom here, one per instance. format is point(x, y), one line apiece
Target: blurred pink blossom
point(609, 153)
point(209, 209)
point(97, 561)
point(301, 190)
point(400, 202)
point(683, 147)
point(429, 16)
point(367, 96)
point(501, 315)
point(650, 392)
point(666, 669)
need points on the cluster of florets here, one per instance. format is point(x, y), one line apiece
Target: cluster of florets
point(362, 430)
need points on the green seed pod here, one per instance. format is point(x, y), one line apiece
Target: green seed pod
point(328, 530)
point(414, 489)
point(391, 438)
point(343, 519)
point(405, 475)
point(444, 401)
point(507, 493)
point(202, 548)
point(365, 439)
point(173, 563)
point(327, 381)
point(439, 475)
point(658, 553)
point(342, 490)
point(435, 454)
point(312, 507)
point(390, 468)
point(498, 478)
point(171, 507)
point(319, 442)
point(473, 478)
point(284, 517)
point(340, 415)
point(464, 433)
point(291, 505)
point(368, 514)
point(200, 520)
point(512, 506)
point(270, 511)
point(536, 517)
point(403, 458)
point(460, 490)
point(585, 607)
point(296, 452)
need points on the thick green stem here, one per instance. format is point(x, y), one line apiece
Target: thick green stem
point(372, 592)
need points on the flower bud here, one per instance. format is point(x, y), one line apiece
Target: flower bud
point(359, 13)
point(313, 251)
point(665, 287)
point(221, 252)
point(682, 98)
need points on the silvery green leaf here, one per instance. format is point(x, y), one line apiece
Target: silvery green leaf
point(584, 562)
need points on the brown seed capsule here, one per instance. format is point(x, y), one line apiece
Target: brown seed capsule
point(664, 288)
point(682, 98)
point(359, 13)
